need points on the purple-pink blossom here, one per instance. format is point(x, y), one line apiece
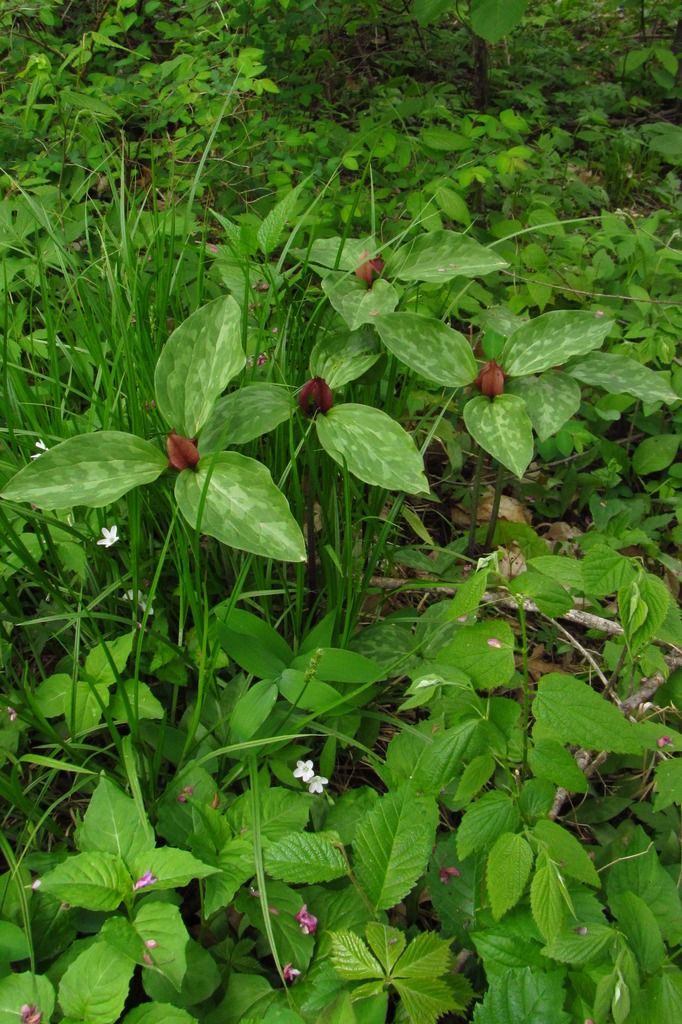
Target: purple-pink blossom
point(146, 879)
point(307, 921)
point(185, 793)
point(30, 1014)
point(446, 873)
point(494, 642)
point(290, 973)
point(663, 741)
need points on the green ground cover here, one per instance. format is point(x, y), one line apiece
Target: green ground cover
point(340, 512)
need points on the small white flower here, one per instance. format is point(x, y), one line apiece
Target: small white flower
point(304, 770)
point(317, 784)
point(43, 448)
point(109, 537)
point(141, 601)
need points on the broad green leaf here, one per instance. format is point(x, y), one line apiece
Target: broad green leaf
point(87, 707)
point(158, 1013)
point(306, 692)
point(162, 924)
point(252, 709)
point(281, 812)
point(26, 989)
point(373, 446)
point(283, 904)
point(662, 998)
point(668, 784)
point(198, 361)
point(429, 347)
point(243, 415)
point(252, 642)
point(91, 469)
point(355, 302)
point(469, 595)
point(548, 759)
point(270, 230)
point(98, 664)
point(642, 607)
point(341, 253)
point(655, 453)
point(564, 849)
point(431, 762)
point(581, 945)
point(392, 845)
point(236, 864)
point(639, 870)
point(551, 399)
point(567, 571)
point(171, 868)
point(386, 943)
point(440, 256)
point(618, 375)
point(425, 1000)
point(493, 19)
point(638, 922)
point(343, 356)
point(574, 713)
point(551, 340)
point(605, 570)
point(242, 507)
point(140, 699)
point(96, 881)
point(13, 943)
point(484, 820)
point(427, 956)
point(113, 825)
point(502, 428)
point(507, 871)
point(551, 598)
point(428, 11)
point(351, 958)
point(484, 650)
point(201, 979)
point(547, 901)
point(335, 665)
point(117, 931)
point(524, 995)
point(476, 774)
point(306, 857)
point(95, 986)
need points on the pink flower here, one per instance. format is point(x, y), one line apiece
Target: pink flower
point(307, 922)
point(663, 741)
point(184, 794)
point(493, 642)
point(445, 874)
point(30, 1014)
point(151, 943)
point(147, 879)
point(289, 973)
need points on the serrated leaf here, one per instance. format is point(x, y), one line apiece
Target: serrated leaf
point(426, 957)
point(507, 871)
point(95, 986)
point(474, 777)
point(502, 428)
point(392, 845)
point(95, 881)
point(429, 347)
point(91, 469)
point(493, 19)
point(551, 598)
point(585, 945)
point(270, 230)
point(425, 1000)
point(281, 812)
point(605, 570)
point(567, 571)
point(484, 650)
point(351, 958)
point(550, 340)
point(355, 302)
point(638, 922)
point(440, 256)
point(618, 374)
point(344, 356)
point(386, 943)
point(565, 850)
point(484, 820)
point(306, 857)
point(526, 994)
point(546, 899)
point(574, 713)
point(668, 784)
point(113, 825)
point(373, 446)
point(243, 415)
point(162, 923)
point(548, 759)
point(551, 399)
point(642, 605)
point(243, 508)
point(198, 361)
point(25, 989)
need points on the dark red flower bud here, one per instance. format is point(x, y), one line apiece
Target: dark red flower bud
point(182, 453)
point(315, 396)
point(491, 379)
point(369, 269)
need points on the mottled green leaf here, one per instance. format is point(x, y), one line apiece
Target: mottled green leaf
point(357, 303)
point(91, 469)
point(440, 256)
point(197, 362)
point(551, 340)
point(502, 428)
point(245, 414)
point(373, 446)
point(429, 347)
point(618, 375)
point(551, 400)
point(242, 507)
point(344, 356)
point(341, 253)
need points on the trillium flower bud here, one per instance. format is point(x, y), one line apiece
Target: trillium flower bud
point(369, 269)
point(315, 396)
point(182, 453)
point(491, 379)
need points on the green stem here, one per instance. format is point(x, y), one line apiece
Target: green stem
point(475, 495)
point(525, 710)
point(499, 480)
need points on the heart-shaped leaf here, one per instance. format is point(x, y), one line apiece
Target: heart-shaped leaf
point(550, 400)
point(357, 303)
point(502, 428)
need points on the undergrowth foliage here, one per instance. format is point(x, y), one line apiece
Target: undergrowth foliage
point(340, 513)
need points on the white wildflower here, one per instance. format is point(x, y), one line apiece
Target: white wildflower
point(304, 770)
point(317, 784)
point(109, 537)
point(43, 448)
point(141, 601)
